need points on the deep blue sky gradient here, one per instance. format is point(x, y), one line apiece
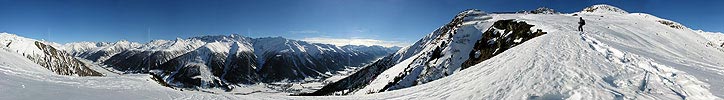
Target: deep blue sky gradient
point(390, 20)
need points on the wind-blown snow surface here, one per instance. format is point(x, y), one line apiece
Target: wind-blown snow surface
point(619, 56)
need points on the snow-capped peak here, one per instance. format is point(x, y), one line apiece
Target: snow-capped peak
point(472, 11)
point(123, 42)
point(20, 44)
point(544, 10)
point(4, 33)
point(603, 8)
point(8, 35)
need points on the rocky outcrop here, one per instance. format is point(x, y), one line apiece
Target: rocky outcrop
point(503, 35)
point(61, 62)
point(48, 56)
point(671, 24)
point(543, 10)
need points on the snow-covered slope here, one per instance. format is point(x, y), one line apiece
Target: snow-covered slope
point(45, 54)
point(439, 57)
point(23, 80)
point(15, 61)
point(451, 48)
point(602, 63)
point(621, 55)
point(440, 37)
point(716, 39)
point(603, 9)
point(218, 63)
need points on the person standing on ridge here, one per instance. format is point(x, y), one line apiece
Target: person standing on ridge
point(580, 24)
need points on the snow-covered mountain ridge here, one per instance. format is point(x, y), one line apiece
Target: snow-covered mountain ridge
point(98, 51)
point(457, 45)
point(46, 55)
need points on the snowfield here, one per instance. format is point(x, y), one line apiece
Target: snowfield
point(620, 56)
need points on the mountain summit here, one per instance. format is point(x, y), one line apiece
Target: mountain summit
point(603, 8)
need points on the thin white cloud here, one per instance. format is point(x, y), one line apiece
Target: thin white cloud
point(355, 41)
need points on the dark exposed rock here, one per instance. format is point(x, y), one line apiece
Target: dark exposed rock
point(544, 10)
point(671, 24)
point(61, 62)
point(493, 43)
point(159, 80)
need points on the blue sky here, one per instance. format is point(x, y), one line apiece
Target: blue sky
point(384, 21)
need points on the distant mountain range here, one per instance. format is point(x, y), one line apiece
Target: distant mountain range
point(203, 62)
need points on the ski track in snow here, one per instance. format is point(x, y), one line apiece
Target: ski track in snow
point(661, 73)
